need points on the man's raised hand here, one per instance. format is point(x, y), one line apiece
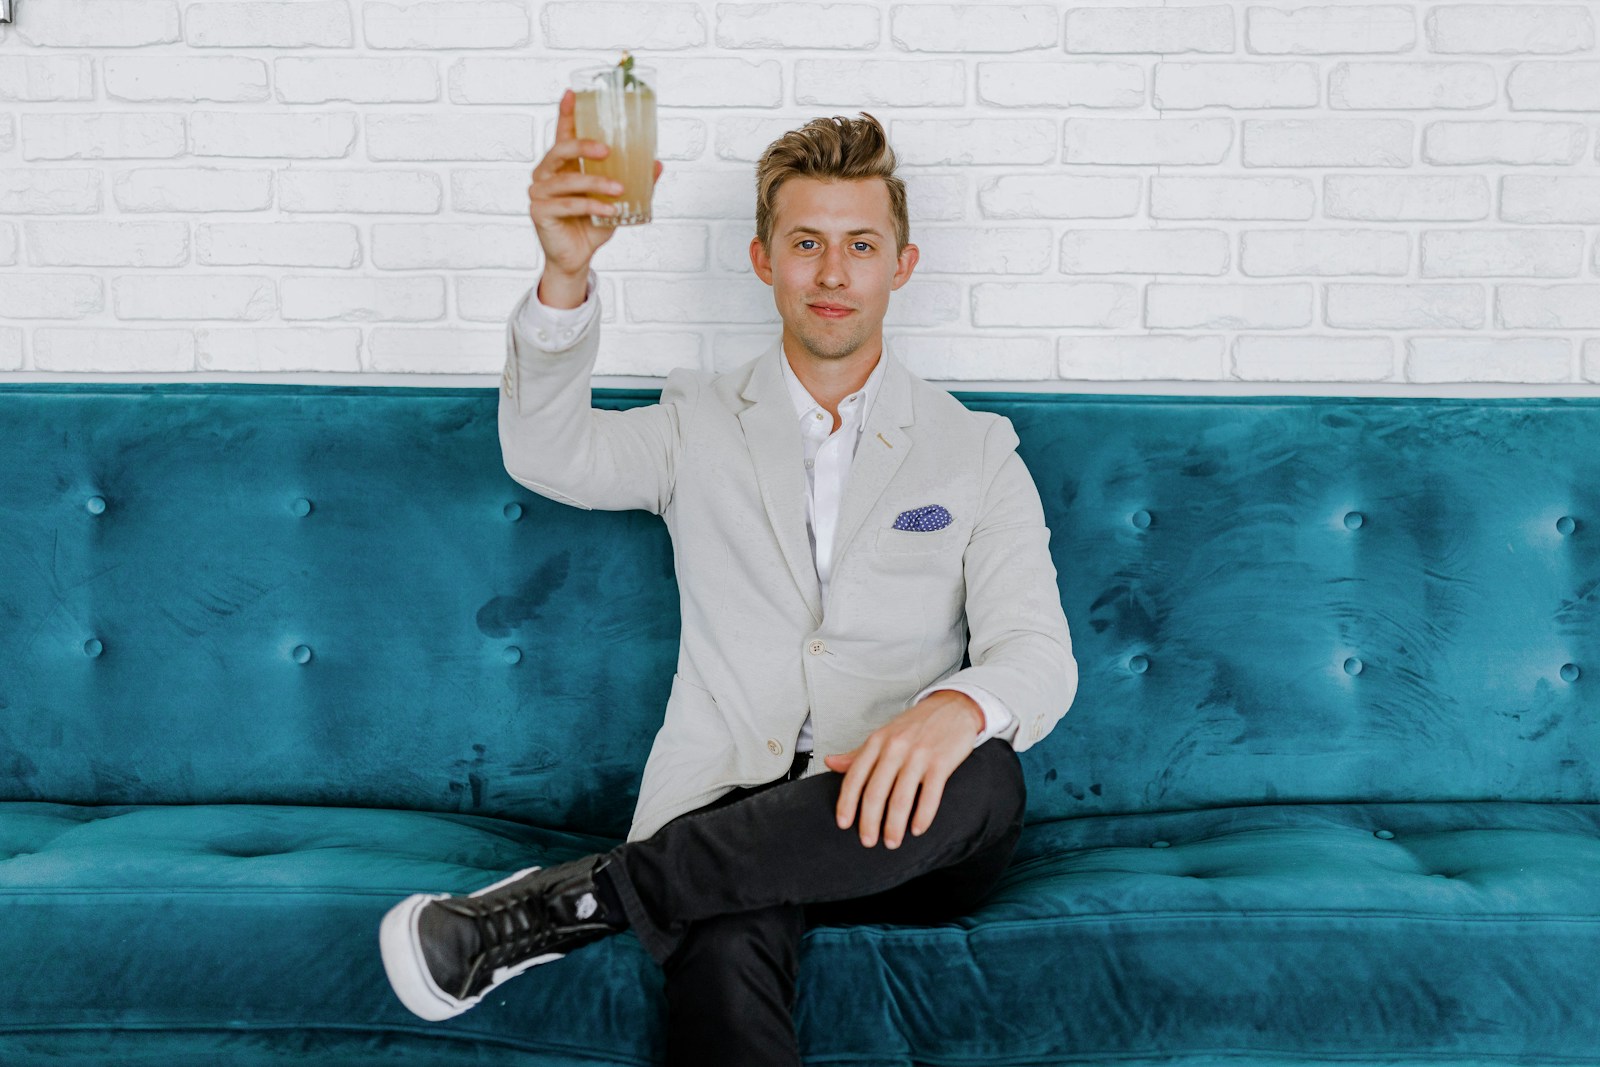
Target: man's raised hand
point(559, 200)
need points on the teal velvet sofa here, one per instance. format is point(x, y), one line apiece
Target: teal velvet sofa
point(274, 656)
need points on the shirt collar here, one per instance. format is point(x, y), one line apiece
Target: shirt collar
point(805, 403)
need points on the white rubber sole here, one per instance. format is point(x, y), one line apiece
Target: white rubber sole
point(401, 947)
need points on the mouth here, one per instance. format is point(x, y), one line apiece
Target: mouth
point(831, 311)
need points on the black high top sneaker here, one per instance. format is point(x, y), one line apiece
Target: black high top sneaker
point(444, 953)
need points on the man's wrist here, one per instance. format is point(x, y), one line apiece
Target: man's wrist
point(971, 705)
point(558, 289)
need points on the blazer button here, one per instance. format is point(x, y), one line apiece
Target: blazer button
point(818, 648)
point(774, 747)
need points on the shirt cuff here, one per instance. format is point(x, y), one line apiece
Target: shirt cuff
point(538, 319)
point(997, 718)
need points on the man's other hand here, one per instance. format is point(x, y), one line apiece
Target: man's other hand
point(919, 748)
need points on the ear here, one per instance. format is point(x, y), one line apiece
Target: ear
point(905, 265)
point(760, 261)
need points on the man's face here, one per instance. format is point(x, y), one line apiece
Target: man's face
point(833, 244)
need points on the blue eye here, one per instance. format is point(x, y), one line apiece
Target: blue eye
point(808, 240)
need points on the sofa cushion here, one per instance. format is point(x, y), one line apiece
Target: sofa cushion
point(1463, 929)
point(185, 926)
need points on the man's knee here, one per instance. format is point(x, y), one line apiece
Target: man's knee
point(998, 769)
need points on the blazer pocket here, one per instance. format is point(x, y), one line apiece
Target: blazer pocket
point(692, 719)
point(687, 696)
point(895, 541)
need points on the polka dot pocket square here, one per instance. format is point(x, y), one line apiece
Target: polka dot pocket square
point(927, 518)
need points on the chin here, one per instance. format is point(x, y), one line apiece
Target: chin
point(831, 347)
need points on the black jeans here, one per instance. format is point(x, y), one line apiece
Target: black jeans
point(719, 896)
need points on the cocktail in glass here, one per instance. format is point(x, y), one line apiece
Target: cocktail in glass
point(617, 105)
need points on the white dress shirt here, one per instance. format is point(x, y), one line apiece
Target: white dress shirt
point(828, 455)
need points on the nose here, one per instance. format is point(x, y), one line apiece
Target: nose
point(831, 272)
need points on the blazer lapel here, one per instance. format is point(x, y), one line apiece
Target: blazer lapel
point(884, 446)
point(772, 434)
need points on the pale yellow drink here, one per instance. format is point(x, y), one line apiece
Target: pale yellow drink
point(621, 112)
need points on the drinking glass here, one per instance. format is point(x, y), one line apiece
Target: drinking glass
point(617, 105)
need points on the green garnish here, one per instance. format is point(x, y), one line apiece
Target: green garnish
point(627, 71)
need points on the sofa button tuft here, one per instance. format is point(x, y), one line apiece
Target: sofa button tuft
point(93, 647)
point(1386, 835)
point(1353, 520)
point(1141, 519)
point(1353, 666)
point(511, 654)
point(302, 507)
point(1160, 844)
point(1570, 672)
point(1139, 664)
point(1565, 524)
point(95, 504)
point(512, 511)
point(302, 653)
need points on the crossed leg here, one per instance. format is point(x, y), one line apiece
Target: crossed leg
point(721, 896)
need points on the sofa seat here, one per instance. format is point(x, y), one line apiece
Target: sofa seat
point(1383, 933)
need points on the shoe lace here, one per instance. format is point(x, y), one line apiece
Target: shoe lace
point(511, 927)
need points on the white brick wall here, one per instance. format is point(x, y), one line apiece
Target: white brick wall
point(1144, 196)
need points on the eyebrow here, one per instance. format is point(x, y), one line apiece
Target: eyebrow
point(849, 233)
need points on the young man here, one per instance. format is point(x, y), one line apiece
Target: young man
point(838, 524)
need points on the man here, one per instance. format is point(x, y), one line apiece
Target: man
point(838, 524)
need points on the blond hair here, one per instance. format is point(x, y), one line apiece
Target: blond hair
point(831, 149)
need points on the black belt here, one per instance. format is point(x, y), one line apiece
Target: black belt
point(801, 760)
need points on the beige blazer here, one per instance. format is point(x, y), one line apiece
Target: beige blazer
point(719, 459)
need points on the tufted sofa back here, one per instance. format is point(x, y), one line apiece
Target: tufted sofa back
point(223, 592)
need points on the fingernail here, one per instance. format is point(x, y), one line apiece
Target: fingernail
point(892, 844)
